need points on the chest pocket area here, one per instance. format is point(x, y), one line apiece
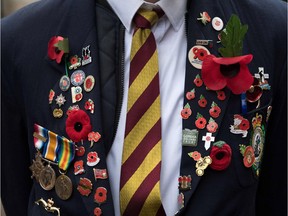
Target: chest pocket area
point(247, 163)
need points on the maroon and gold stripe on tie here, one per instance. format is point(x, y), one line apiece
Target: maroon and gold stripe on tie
point(141, 159)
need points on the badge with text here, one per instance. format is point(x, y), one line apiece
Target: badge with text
point(189, 137)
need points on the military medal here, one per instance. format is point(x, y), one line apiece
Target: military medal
point(47, 177)
point(63, 187)
point(36, 166)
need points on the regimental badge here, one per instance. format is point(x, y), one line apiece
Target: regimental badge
point(241, 126)
point(257, 140)
point(184, 183)
point(252, 154)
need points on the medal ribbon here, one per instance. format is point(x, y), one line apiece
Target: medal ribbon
point(65, 153)
point(54, 148)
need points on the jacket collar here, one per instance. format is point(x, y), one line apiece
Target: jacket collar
point(126, 9)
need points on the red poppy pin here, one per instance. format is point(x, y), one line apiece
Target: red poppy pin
point(231, 69)
point(78, 125)
point(221, 155)
point(57, 47)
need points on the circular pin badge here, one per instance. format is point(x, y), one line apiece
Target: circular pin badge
point(89, 83)
point(196, 56)
point(217, 23)
point(64, 83)
point(77, 77)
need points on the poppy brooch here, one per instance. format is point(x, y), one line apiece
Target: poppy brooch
point(231, 69)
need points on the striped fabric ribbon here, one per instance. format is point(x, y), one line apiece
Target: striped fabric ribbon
point(141, 159)
point(53, 147)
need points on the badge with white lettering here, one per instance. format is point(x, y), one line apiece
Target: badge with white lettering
point(189, 137)
point(196, 56)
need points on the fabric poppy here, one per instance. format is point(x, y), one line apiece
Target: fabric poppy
point(53, 52)
point(220, 154)
point(232, 72)
point(78, 125)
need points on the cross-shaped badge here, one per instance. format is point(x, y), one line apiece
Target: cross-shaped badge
point(208, 139)
point(261, 75)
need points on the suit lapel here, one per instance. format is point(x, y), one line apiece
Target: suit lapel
point(78, 25)
point(196, 30)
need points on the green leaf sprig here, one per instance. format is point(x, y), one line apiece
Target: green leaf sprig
point(232, 37)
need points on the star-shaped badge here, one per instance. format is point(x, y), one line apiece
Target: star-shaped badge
point(60, 100)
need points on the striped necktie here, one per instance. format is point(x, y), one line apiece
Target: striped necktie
point(141, 159)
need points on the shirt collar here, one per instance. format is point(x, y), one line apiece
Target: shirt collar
point(126, 9)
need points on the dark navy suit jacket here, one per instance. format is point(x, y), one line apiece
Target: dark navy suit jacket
point(27, 75)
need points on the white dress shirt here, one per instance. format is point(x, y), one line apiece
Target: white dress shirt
point(170, 37)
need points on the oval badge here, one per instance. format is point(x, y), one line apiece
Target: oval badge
point(77, 77)
point(64, 83)
point(89, 83)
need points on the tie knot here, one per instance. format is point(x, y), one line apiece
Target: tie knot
point(147, 18)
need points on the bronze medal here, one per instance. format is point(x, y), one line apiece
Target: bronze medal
point(47, 178)
point(63, 187)
point(37, 166)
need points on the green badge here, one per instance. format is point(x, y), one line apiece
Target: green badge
point(189, 137)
